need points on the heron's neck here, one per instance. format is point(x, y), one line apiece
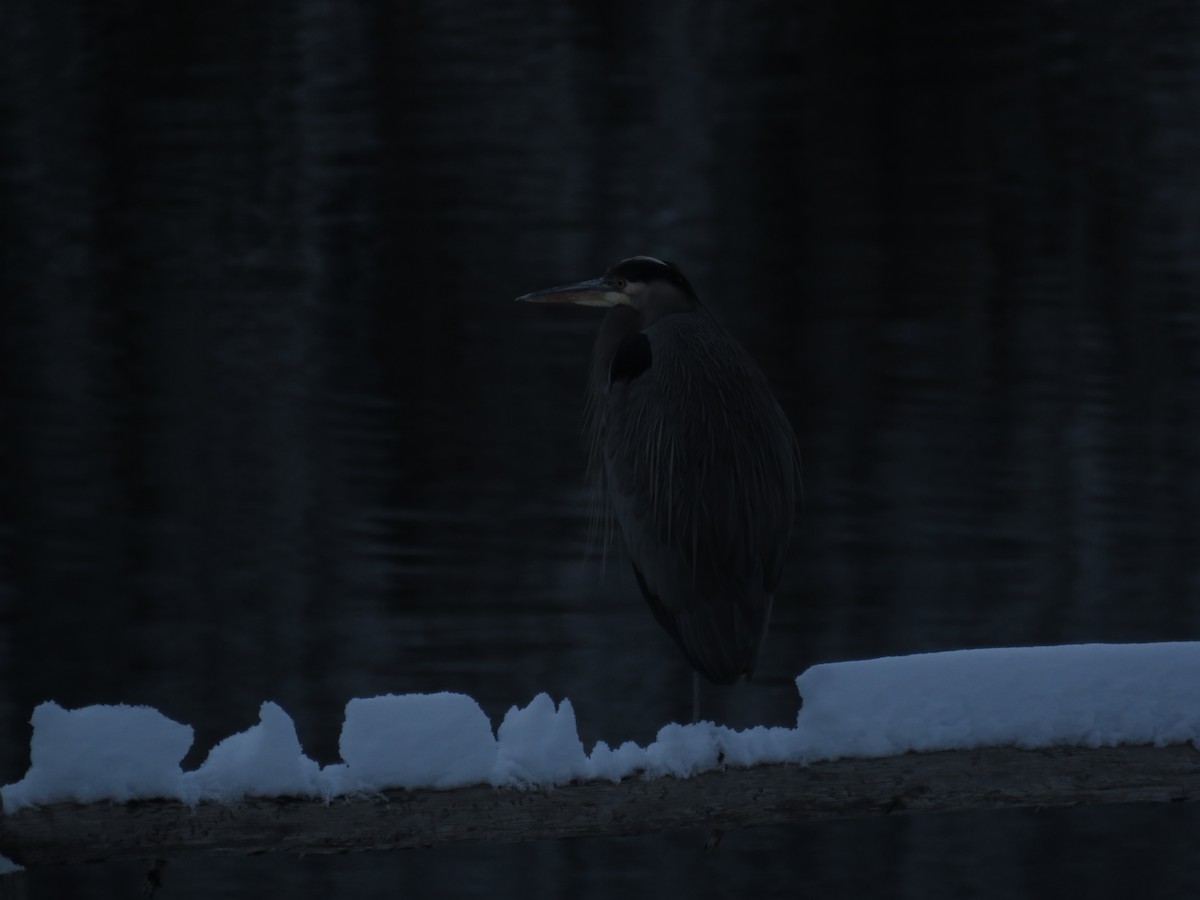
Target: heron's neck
point(619, 323)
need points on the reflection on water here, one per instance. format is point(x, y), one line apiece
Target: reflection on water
point(273, 428)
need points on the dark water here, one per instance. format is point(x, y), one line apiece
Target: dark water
point(272, 427)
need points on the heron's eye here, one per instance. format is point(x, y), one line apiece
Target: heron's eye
point(619, 283)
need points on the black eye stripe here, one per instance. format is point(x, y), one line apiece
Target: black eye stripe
point(645, 269)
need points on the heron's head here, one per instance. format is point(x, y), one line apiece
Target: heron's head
point(649, 285)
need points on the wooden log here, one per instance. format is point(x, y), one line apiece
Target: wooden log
point(988, 778)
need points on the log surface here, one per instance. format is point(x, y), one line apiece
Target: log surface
point(988, 778)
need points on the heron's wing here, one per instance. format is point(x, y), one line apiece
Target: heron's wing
point(718, 640)
point(698, 472)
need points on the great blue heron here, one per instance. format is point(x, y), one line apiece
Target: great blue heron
point(696, 460)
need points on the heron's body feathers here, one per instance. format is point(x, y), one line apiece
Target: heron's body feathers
point(705, 497)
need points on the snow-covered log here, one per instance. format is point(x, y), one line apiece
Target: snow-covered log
point(942, 781)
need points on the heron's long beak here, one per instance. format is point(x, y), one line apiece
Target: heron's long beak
point(595, 292)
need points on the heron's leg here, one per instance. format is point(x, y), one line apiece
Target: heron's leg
point(714, 837)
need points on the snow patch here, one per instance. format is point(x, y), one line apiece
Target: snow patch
point(265, 760)
point(413, 740)
point(8, 867)
point(539, 745)
point(100, 753)
point(614, 765)
point(1087, 695)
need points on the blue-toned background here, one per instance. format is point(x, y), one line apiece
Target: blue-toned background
point(271, 426)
